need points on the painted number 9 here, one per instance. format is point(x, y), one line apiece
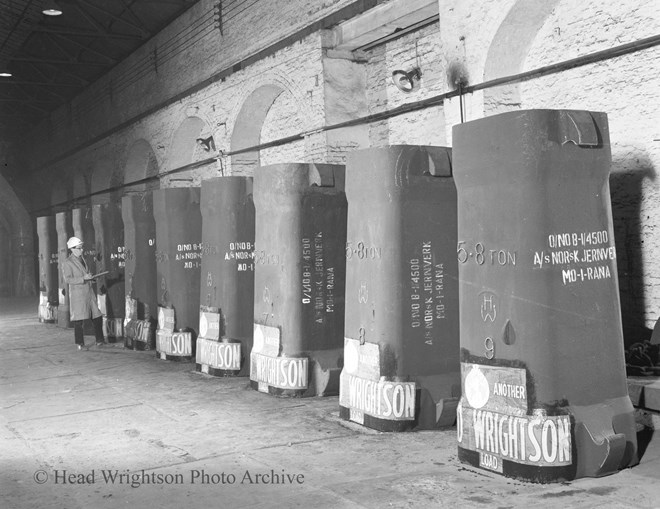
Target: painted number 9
point(489, 346)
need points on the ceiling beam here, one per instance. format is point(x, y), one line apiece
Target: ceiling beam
point(31, 93)
point(55, 61)
point(382, 21)
point(19, 116)
point(13, 119)
point(136, 19)
point(95, 36)
point(118, 18)
point(36, 108)
point(23, 17)
point(34, 92)
point(92, 20)
point(16, 109)
point(41, 83)
point(43, 101)
point(41, 73)
point(59, 70)
point(58, 44)
point(87, 33)
point(84, 47)
point(41, 89)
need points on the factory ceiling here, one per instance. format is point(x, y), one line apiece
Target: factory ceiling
point(53, 58)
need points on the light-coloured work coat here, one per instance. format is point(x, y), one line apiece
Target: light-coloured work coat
point(82, 299)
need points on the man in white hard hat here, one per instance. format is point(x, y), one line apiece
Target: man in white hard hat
point(82, 299)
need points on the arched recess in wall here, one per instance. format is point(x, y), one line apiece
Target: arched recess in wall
point(81, 188)
point(61, 193)
point(508, 50)
point(40, 185)
point(141, 163)
point(105, 177)
point(17, 270)
point(183, 142)
point(248, 125)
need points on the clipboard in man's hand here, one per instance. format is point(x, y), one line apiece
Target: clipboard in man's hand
point(100, 274)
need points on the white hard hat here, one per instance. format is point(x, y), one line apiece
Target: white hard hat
point(73, 242)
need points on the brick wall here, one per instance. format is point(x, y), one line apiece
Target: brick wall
point(419, 49)
point(494, 39)
point(170, 132)
point(478, 40)
point(627, 89)
point(186, 53)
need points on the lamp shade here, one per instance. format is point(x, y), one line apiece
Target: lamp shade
point(50, 8)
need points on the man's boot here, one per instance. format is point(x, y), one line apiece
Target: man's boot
point(78, 334)
point(98, 330)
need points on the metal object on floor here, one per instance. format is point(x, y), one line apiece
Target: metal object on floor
point(300, 269)
point(64, 232)
point(110, 257)
point(178, 264)
point(140, 271)
point(401, 365)
point(227, 277)
point(48, 269)
point(544, 383)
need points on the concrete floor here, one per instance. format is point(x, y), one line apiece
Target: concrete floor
point(114, 411)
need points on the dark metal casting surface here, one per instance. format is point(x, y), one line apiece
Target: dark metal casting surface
point(299, 258)
point(178, 239)
point(48, 262)
point(109, 231)
point(227, 281)
point(401, 289)
point(401, 280)
point(140, 250)
point(539, 300)
point(64, 232)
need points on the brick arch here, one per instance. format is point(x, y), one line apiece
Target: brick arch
point(81, 183)
point(80, 187)
point(183, 146)
point(61, 192)
point(104, 177)
point(508, 51)
point(251, 110)
point(140, 163)
point(248, 125)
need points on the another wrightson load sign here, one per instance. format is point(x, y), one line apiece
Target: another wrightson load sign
point(492, 420)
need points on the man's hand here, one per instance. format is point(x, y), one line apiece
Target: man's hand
point(88, 277)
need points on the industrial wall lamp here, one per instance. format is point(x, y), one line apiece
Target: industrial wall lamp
point(405, 80)
point(50, 8)
point(207, 144)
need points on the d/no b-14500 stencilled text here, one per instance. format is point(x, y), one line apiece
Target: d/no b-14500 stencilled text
point(582, 256)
